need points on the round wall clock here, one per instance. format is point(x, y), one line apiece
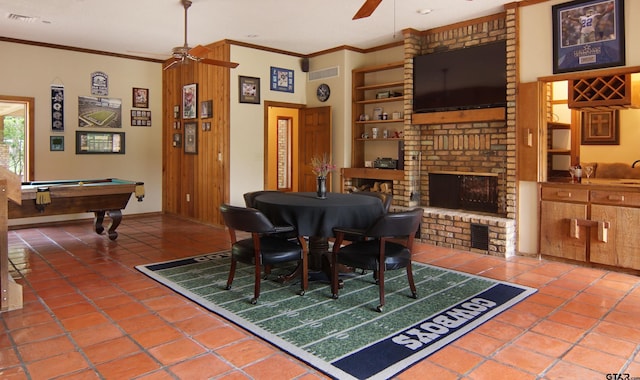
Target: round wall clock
point(323, 92)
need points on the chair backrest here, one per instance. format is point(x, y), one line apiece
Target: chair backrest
point(384, 197)
point(246, 219)
point(249, 198)
point(396, 224)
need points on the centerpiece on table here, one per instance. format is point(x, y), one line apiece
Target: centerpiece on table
point(321, 167)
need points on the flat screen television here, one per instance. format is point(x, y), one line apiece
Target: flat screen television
point(468, 78)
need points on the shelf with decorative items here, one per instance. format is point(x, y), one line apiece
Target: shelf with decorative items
point(378, 102)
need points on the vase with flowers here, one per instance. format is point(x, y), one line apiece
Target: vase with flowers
point(321, 167)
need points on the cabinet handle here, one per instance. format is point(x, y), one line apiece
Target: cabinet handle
point(603, 228)
point(616, 198)
point(563, 194)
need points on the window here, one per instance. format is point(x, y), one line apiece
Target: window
point(16, 127)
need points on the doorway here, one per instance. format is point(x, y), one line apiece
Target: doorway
point(294, 134)
point(16, 143)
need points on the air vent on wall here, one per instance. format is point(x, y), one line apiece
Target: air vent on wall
point(324, 73)
point(21, 18)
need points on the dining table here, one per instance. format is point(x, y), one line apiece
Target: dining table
point(315, 217)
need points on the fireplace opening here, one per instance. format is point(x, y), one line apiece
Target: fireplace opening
point(470, 192)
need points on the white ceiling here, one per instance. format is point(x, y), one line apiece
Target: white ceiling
point(151, 28)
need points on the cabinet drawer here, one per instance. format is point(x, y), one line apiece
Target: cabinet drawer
point(619, 198)
point(550, 193)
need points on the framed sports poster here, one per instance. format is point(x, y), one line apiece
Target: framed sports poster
point(281, 79)
point(588, 34)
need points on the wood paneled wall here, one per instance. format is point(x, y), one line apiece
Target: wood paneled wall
point(194, 185)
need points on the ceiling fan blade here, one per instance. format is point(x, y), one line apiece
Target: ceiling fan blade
point(172, 63)
point(231, 65)
point(367, 9)
point(199, 51)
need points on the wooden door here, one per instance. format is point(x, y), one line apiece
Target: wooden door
point(314, 139)
point(555, 237)
point(621, 247)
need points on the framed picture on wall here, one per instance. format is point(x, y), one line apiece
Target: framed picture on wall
point(140, 97)
point(600, 128)
point(281, 79)
point(190, 101)
point(588, 34)
point(56, 143)
point(249, 89)
point(191, 137)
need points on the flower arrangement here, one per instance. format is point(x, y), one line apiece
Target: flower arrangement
point(321, 166)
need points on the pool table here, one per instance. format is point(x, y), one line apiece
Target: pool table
point(99, 196)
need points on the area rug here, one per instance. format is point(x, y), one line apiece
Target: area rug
point(345, 337)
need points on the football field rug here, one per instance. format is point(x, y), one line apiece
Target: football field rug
point(345, 337)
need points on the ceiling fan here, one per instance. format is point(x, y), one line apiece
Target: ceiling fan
point(367, 9)
point(183, 54)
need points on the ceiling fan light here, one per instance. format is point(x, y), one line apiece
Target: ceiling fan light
point(424, 11)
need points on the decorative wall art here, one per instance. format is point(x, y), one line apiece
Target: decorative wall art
point(56, 143)
point(281, 79)
point(190, 101)
point(99, 142)
point(94, 112)
point(191, 138)
point(99, 84)
point(206, 109)
point(140, 118)
point(600, 128)
point(176, 112)
point(57, 108)
point(588, 34)
point(140, 98)
point(249, 89)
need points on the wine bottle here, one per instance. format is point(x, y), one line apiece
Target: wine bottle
point(578, 172)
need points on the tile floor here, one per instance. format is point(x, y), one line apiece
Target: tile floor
point(88, 314)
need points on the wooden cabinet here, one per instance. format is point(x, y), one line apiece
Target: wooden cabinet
point(613, 91)
point(591, 223)
point(558, 206)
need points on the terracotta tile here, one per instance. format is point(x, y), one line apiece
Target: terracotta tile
point(492, 370)
point(595, 360)
point(96, 334)
point(628, 333)
point(277, 366)
point(455, 359)
point(111, 349)
point(625, 319)
point(517, 318)
point(156, 336)
point(75, 310)
point(125, 311)
point(8, 358)
point(166, 302)
point(584, 309)
point(219, 337)
point(568, 371)
point(543, 344)
point(246, 352)
point(608, 344)
point(630, 304)
point(558, 330)
point(141, 323)
point(36, 333)
point(499, 330)
point(199, 323)
point(180, 313)
point(128, 367)
point(84, 321)
point(480, 344)
point(524, 359)
point(43, 349)
point(157, 375)
point(546, 299)
point(175, 351)
point(58, 365)
point(572, 319)
point(17, 321)
point(203, 367)
point(14, 373)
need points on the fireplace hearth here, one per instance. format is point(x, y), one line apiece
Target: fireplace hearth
point(464, 191)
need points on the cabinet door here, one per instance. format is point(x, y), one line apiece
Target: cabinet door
point(555, 237)
point(622, 248)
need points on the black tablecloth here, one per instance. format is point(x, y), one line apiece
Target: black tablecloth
point(317, 217)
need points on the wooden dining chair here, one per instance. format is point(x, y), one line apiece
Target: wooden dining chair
point(264, 248)
point(385, 245)
point(385, 198)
